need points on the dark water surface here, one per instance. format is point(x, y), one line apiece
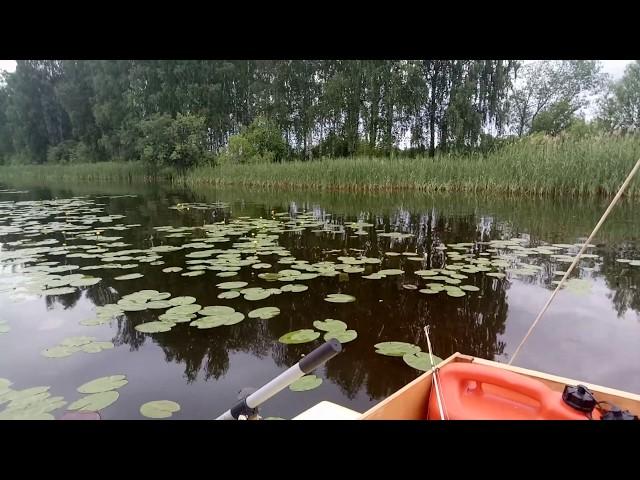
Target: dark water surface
point(591, 332)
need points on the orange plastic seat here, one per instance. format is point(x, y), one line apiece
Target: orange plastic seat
point(480, 392)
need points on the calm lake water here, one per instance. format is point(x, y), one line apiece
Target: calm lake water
point(591, 331)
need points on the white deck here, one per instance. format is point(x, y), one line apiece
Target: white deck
point(328, 411)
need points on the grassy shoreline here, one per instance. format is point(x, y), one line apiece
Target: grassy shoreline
point(535, 167)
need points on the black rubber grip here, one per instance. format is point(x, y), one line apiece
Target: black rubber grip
point(241, 408)
point(320, 355)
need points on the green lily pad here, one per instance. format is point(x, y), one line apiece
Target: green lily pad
point(95, 402)
point(158, 304)
point(226, 274)
point(59, 291)
point(423, 273)
point(176, 318)
point(255, 296)
point(308, 382)
point(209, 322)
point(231, 285)
point(58, 352)
point(154, 327)
point(374, 276)
point(428, 291)
point(103, 384)
point(130, 276)
point(193, 273)
point(4, 328)
point(184, 309)
point(172, 269)
point(85, 282)
point(469, 288)
point(340, 335)
point(159, 409)
point(76, 341)
point(456, 293)
point(229, 294)
point(299, 336)
point(177, 301)
point(420, 360)
point(496, 274)
point(264, 313)
point(294, 287)
point(215, 310)
point(330, 325)
point(391, 271)
point(96, 347)
point(339, 298)
point(396, 349)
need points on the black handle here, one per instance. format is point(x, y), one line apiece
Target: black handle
point(320, 355)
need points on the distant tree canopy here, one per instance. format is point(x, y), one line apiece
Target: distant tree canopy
point(176, 113)
point(620, 106)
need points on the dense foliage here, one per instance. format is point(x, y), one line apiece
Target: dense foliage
point(179, 113)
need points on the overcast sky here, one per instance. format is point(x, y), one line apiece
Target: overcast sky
point(613, 67)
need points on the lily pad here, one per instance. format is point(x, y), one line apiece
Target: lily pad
point(231, 285)
point(420, 360)
point(294, 287)
point(184, 309)
point(229, 294)
point(299, 336)
point(308, 382)
point(469, 288)
point(339, 298)
point(215, 310)
point(58, 351)
point(330, 325)
point(396, 349)
point(130, 276)
point(95, 402)
point(340, 335)
point(76, 341)
point(209, 322)
point(172, 269)
point(255, 296)
point(496, 274)
point(428, 291)
point(85, 282)
point(391, 271)
point(456, 293)
point(193, 273)
point(59, 291)
point(177, 301)
point(154, 327)
point(103, 384)
point(264, 313)
point(159, 409)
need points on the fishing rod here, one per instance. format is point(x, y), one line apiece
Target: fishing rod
point(436, 380)
point(624, 185)
point(247, 408)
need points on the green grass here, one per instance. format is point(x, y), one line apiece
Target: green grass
point(80, 172)
point(535, 166)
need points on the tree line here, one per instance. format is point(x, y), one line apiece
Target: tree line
point(180, 113)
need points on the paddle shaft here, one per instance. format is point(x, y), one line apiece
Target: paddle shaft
point(305, 366)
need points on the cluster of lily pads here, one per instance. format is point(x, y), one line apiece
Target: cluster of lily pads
point(71, 345)
point(410, 353)
point(334, 329)
point(36, 403)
